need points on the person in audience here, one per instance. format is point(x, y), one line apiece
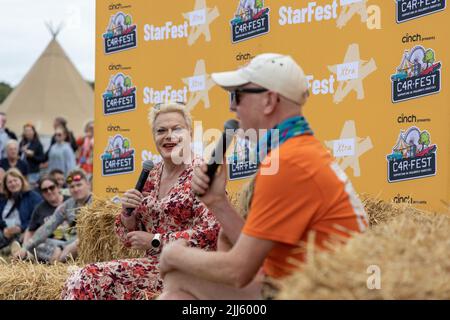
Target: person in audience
point(45, 252)
point(58, 175)
point(32, 152)
point(63, 220)
point(16, 207)
point(85, 153)
point(166, 210)
point(5, 135)
point(12, 159)
point(60, 154)
point(69, 137)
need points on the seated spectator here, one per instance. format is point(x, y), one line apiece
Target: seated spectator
point(2, 190)
point(32, 152)
point(58, 175)
point(60, 154)
point(70, 138)
point(166, 210)
point(64, 217)
point(5, 135)
point(12, 159)
point(16, 207)
point(53, 198)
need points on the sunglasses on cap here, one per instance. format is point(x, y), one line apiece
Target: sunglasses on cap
point(235, 94)
point(74, 178)
point(50, 188)
point(158, 105)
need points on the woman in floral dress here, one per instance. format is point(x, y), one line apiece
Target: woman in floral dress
point(166, 210)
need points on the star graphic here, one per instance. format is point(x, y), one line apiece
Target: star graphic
point(197, 96)
point(362, 145)
point(198, 30)
point(364, 69)
point(349, 10)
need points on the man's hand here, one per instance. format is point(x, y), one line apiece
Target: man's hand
point(170, 250)
point(215, 193)
point(140, 240)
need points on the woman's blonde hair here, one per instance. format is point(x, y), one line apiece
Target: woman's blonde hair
point(16, 174)
point(167, 107)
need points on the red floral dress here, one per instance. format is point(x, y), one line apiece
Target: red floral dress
point(178, 215)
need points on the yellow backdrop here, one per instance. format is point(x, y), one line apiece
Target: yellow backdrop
point(377, 72)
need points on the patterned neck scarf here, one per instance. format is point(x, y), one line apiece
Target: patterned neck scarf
point(291, 127)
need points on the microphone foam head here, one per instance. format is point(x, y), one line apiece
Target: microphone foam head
point(148, 165)
point(231, 124)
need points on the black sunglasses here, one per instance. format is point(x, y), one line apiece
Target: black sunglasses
point(234, 95)
point(51, 188)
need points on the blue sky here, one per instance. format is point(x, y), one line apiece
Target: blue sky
point(25, 35)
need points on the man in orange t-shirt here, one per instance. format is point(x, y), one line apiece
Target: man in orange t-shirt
point(299, 192)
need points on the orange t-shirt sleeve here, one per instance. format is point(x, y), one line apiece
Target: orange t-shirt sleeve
point(283, 205)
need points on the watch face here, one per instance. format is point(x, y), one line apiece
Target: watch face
point(155, 243)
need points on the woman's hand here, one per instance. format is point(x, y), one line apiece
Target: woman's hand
point(131, 199)
point(140, 240)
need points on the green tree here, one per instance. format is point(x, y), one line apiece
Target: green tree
point(429, 57)
point(127, 82)
point(126, 145)
point(424, 139)
point(5, 90)
point(259, 4)
point(127, 21)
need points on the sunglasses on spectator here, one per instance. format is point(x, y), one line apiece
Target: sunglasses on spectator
point(158, 105)
point(74, 178)
point(50, 188)
point(235, 94)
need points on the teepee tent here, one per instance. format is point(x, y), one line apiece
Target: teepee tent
point(52, 87)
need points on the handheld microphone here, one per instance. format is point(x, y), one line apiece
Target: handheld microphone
point(224, 142)
point(147, 166)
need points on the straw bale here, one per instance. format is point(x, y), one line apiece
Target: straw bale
point(32, 281)
point(410, 250)
point(97, 237)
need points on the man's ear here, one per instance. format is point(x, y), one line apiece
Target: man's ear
point(271, 102)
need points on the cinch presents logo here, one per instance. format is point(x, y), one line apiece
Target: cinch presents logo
point(251, 20)
point(412, 157)
point(418, 75)
point(120, 96)
point(121, 34)
point(118, 157)
point(412, 9)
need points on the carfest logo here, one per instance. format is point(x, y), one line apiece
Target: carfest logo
point(413, 9)
point(118, 157)
point(412, 157)
point(120, 95)
point(418, 75)
point(120, 34)
point(250, 20)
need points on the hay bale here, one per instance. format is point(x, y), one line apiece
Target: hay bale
point(29, 281)
point(411, 251)
point(97, 238)
point(380, 211)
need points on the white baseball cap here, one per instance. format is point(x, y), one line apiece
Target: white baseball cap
point(276, 72)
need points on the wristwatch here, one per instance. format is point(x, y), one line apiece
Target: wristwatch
point(156, 242)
